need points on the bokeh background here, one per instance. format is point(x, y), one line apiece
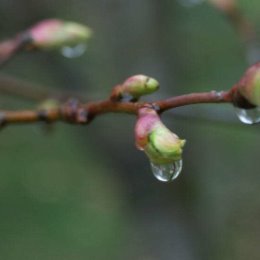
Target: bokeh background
point(85, 192)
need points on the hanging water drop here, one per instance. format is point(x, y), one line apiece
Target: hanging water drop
point(190, 3)
point(248, 116)
point(73, 51)
point(166, 172)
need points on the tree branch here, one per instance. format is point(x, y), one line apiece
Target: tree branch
point(76, 113)
point(195, 98)
point(82, 113)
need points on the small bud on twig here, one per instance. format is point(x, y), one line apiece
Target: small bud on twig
point(249, 85)
point(48, 104)
point(54, 33)
point(135, 87)
point(163, 148)
point(158, 142)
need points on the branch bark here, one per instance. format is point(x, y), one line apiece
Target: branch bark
point(77, 113)
point(82, 113)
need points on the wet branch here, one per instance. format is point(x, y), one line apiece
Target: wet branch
point(75, 112)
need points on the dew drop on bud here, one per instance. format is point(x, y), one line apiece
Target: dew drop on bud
point(248, 116)
point(166, 172)
point(73, 51)
point(190, 3)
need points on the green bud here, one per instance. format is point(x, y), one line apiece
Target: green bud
point(49, 104)
point(54, 33)
point(164, 146)
point(137, 86)
point(158, 142)
point(249, 85)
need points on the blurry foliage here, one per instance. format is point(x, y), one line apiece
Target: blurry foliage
point(85, 192)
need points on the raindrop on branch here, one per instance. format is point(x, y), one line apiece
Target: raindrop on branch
point(248, 116)
point(166, 172)
point(73, 51)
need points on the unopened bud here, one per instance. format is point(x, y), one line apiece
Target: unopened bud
point(135, 87)
point(54, 33)
point(158, 142)
point(49, 104)
point(249, 85)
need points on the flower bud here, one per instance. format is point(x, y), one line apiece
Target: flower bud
point(135, 87)
point(158, 142)
point(54, 33)
point(249, 85)
point(49, 104)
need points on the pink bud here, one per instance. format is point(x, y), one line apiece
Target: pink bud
point(135, 87)
point(53, 33)
point(147, 120)
point(158, 142)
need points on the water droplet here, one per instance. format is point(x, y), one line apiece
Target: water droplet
point(248, 116)
point(190, 3)
point(166, 172)
point(73, 51)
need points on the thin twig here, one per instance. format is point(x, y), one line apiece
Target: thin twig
point(76, 113)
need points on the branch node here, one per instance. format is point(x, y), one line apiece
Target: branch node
point(43, 116)
point(74, 113)
point(156, 107)
point(3, 122)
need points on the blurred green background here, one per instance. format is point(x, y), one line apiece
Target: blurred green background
point(85, 192)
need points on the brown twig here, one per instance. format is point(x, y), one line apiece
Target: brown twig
point(76, 113)
point(195, 98)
